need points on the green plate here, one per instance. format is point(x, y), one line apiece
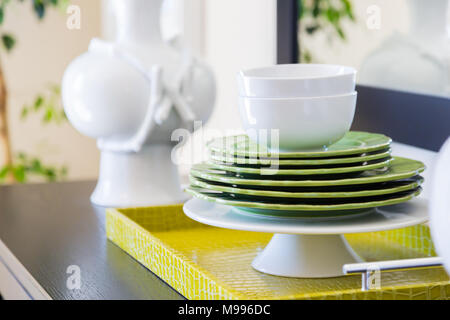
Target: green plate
point(241, 161)
point(385, 188)
point(302, 209)
point(399, 168)
point(353, 143)
point(376, 164)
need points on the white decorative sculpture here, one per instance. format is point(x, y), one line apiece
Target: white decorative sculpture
point(131, 95)
point(417, 61)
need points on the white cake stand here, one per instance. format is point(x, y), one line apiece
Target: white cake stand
point(308, 248)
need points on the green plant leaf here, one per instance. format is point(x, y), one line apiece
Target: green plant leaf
point(24, 112)
point(300, 9)
point(8, 41)
point(2, 15)
point(340, 33)
point(323, 16)
point(306, 56)
point(38, 103)
point(19, 174)
point(48, 105)
point(39, 8)
point(48, 115)
point(312, 28)
point(348, 7)
point(21, 156)
point(4, 172)
point(332, 15)
point(56, 89)
point(316, 8)
point(25, 166)
point(64, 171)
point(36, 165)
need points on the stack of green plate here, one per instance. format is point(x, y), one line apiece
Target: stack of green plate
point(353, 175)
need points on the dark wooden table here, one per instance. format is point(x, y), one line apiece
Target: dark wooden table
point(46, 228)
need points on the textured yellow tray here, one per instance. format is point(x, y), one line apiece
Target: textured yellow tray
point(203, 262)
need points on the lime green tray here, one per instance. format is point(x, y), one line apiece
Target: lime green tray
point(203, 262)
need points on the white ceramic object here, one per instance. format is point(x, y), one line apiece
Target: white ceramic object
point(131, 95)
point(134, 179)
point(303, 124)
point(440, 205)
point(308, 248)
point(304, 256)
point(297, 80)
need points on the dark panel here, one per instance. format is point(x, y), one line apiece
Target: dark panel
point(287, 28)
point(414, 119)
point(49, 227)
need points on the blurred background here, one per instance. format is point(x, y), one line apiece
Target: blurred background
point(38, 44)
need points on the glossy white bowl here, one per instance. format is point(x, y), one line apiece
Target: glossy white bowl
point(304, 124)
point(297, 80)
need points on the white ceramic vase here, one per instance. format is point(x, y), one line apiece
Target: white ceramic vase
point(131, 95)
point(418, 61)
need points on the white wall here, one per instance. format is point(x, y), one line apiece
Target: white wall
point(40, 57)
point(238, 34)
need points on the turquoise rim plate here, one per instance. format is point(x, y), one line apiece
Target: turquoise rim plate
point(240, 161)
point(354, 142)
point(273, 208)
point(388, 188)
point(298, 172)
point(399, 168)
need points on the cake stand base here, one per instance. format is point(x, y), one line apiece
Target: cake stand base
point(305, 256)
point(308, 248)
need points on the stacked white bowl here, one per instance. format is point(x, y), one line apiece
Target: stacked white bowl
point(311, 105)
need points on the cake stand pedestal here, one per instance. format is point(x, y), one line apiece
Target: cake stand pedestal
point(305, 256)
point(308, 247)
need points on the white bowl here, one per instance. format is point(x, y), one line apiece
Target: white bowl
point(297, 80)
point(304, 124)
